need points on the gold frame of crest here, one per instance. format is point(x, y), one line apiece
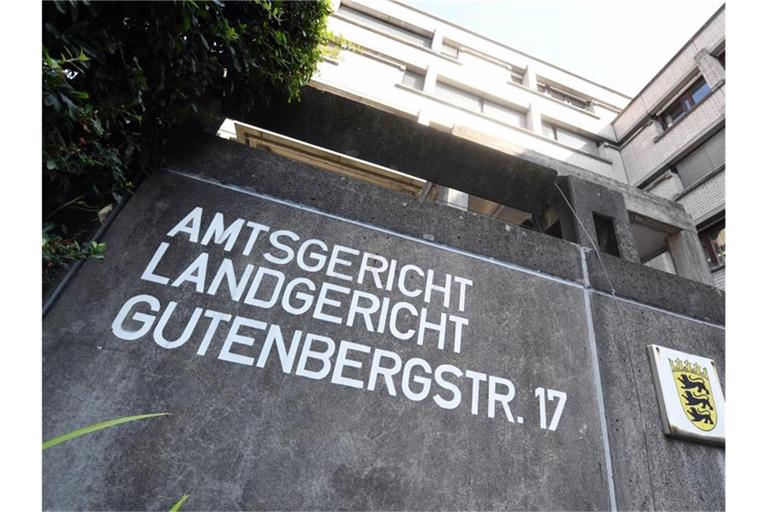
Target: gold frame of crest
point(689, 393)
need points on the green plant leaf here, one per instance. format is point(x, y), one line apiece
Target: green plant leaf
point(98, 426)
point(177, 506)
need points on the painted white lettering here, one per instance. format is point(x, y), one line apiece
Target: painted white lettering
point(149, 272)
point(440, 381)
point(279, 279)
point(476, 378)
point(307, 353)
point(323, 300)
point(387, 373)
point(274, 239)
point(305, 298)
point(219, 235)
point(318, 258)
point(504, 399)
point(375, 271)
point(216, 319)
point(233, 337)
point(463, 284)
point(189, 224)
point(144, 319)
point(160, 338)
point(342, 362)
point(431, 286)
point(275, 338)
point(227, 270)
point(365, 311)
point(403, 275)
point(425, 382)
point(194, 273)
point(256, 230)
point(335, 261)
point(439, 328)
point(396, 332)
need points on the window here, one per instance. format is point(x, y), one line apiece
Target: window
point(415, 79)
point(450, 50)
point(570, 138)
point(476, 103)
point(458, 96)
point(721, 58)
point(559, 95)
point(713, 242)
point(517, 75)
point(701, 161)
point(606, 235)
point(684, 103)
point(504, 114)
point(389, 28)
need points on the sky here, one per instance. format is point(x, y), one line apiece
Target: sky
point(620, 44)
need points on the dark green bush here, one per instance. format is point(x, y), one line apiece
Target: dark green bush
point(119, 76)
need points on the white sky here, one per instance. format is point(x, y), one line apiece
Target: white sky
point(620, 44)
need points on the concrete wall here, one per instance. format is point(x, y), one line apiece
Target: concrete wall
point(706, 199)
point(541, 312)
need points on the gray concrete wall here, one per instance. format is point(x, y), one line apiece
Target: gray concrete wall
point(540, 312)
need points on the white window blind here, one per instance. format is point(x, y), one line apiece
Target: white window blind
point(387, 27)
point(702, 160)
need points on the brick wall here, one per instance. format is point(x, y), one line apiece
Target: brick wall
point(705, 198)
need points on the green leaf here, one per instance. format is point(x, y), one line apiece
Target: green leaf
point(98, 426)
point(177, 506)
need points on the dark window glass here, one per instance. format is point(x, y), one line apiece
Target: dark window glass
point(606, 235)
point(721, 58)
point(700, 93)
point(685, 102)
point(713, 242)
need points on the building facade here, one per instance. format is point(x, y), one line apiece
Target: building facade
point(391, 57)
point(672, 139)
point(431, 284)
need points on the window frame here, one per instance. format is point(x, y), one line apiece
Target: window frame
point(555, 129)
point(482, 102)
point(568, 98)
point(684, 102)
point(411, 32)
point(715, 256)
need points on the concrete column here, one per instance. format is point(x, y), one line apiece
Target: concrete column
point(430, 80)
point(686, 251)
point(424, 117)
point(453, 198)
point(529, 78)
point(437, 40)
point(533, 119)
point(710, 68)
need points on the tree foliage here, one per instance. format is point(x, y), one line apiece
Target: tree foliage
point(119, 76)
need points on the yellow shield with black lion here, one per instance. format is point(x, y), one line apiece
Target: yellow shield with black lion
point(695, 393)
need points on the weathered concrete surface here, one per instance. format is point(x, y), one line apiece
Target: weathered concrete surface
point(243, 437)
point(656, 288)
point(652, 471)
point(588, 198)
point(338, 123)
point(271, 174)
